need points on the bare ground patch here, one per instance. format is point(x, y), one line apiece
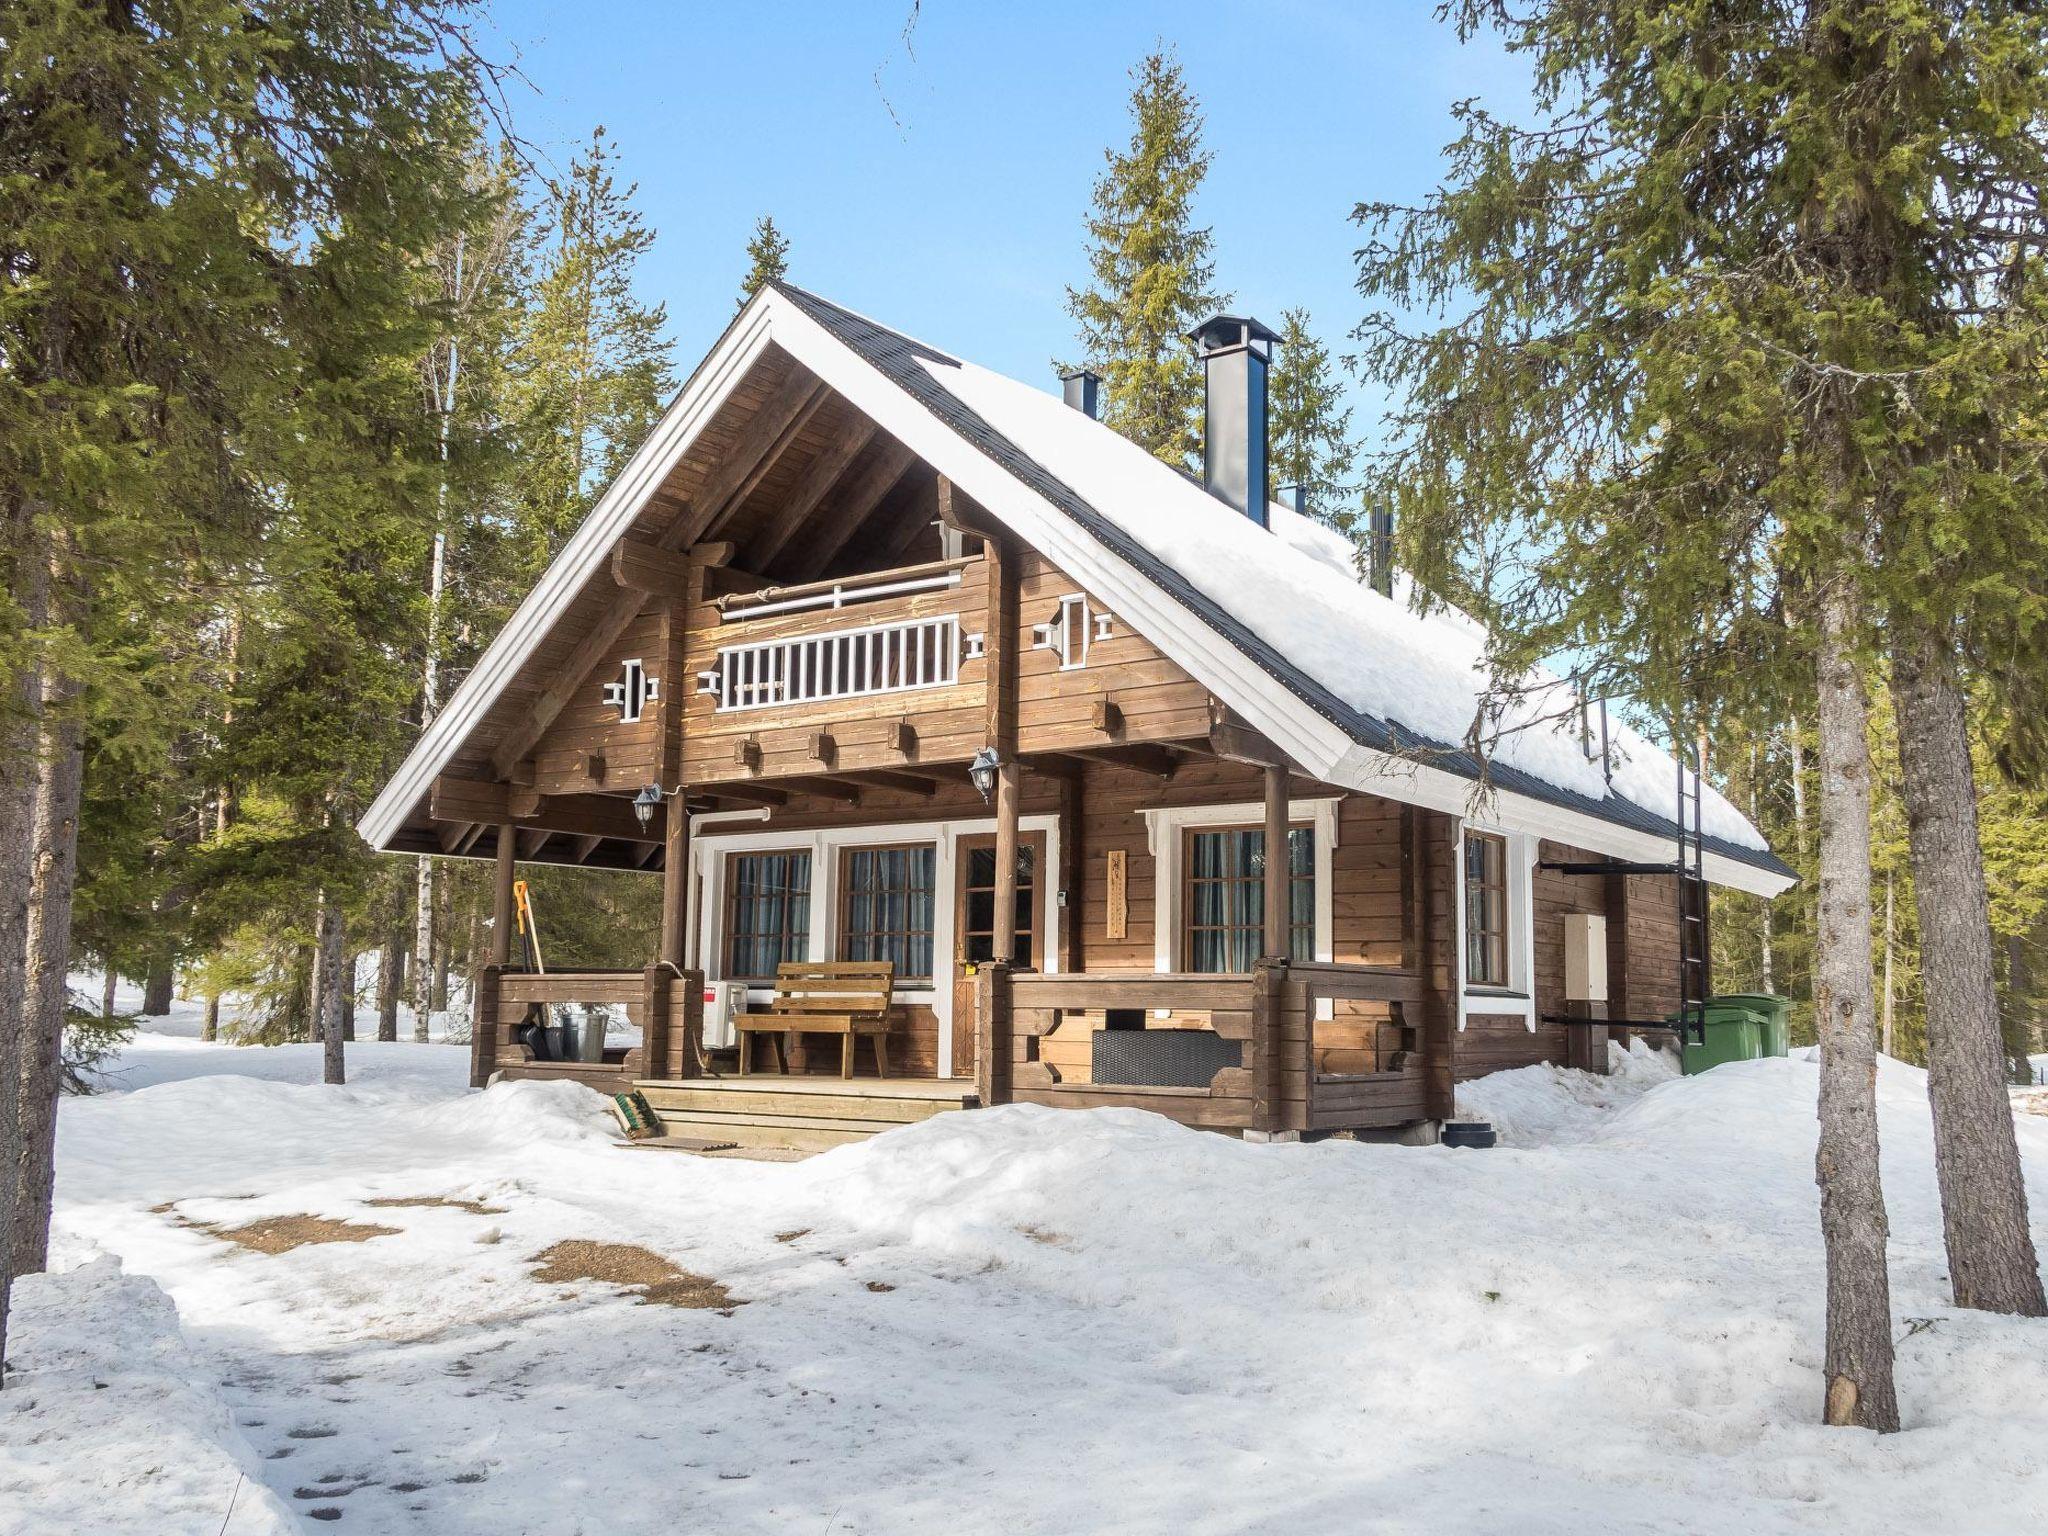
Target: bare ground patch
point(635, 1268)
point(281, 1234)
point(439, 1202)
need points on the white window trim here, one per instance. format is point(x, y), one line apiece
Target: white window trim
point(1164, 826)
point(1518, 998)
point(710, 842)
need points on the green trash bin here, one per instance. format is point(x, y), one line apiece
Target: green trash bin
point(1734, 1032)
point(1775, 1013)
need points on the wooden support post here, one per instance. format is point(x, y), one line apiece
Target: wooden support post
point(656, 983)
point(1432, 838)
point(503, 919)
point(483, 1023)
point(1269, 979)
point(994, 1043)
point(1003, 942)
point(1072, 871)
point(1279, 867)
point(675, 884)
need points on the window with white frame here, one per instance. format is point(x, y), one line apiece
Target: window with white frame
point(1486, 910)
point(768, 911)
point(1224, 909)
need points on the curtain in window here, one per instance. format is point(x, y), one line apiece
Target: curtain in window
point(889, 894)
point(770, 911)
point(1226, 887)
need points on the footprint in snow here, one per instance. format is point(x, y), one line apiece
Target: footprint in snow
point(313, 1432)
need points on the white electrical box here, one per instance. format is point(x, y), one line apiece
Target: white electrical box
point(1585, 957)
point(724, 1001)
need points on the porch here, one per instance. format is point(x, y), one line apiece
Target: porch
point(1290, 1049)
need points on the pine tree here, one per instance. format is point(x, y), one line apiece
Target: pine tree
point(1308, 426)
point(767, 258)
point(1150, 269)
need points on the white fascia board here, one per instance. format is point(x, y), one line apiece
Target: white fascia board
point(1319, 745)
point(580, 559)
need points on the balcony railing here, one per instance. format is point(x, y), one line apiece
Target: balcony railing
point(842, 664)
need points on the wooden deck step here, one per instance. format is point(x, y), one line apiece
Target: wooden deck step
point(808, 1113)
point(798, 1132)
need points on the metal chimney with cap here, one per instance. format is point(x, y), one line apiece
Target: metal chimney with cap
point(1236, 351)
point(1084, 392)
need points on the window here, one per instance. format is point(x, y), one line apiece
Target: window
point(977, 931)
point(1226, 897)
point(887, 902)
point(1486, 910)
point(768, 912)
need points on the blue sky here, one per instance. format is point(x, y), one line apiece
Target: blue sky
point(939, 185)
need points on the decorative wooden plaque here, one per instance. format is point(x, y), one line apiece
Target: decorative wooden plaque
point(1119, 903)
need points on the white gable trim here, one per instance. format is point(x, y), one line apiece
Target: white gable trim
point(580, 559)
point(1319, 745)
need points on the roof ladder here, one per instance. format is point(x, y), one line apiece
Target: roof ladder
point(1695, 945)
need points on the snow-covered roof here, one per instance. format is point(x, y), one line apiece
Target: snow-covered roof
point(1372, 694)
point(1403, 683)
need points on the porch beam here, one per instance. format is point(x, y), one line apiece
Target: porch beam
point(752, 455)
point(1157, 761)
point(860, 496)
point(810, 489)
point(480, 800)
point(909, 783)
point(845, 791)
point(747, 793)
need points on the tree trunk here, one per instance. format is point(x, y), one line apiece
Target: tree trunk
point(444, 942)
point(107, 983)
point(1852, 1217)
point(390, 978)
point(157, 989)
point(49, 955)
point(348, 995)
point(1991, 1261)
point(422, 949)
point(210, 1030)
point(20, 774)
point(329, 944)
point(1885, 1005)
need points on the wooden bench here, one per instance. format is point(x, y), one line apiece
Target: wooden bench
point(845, 998)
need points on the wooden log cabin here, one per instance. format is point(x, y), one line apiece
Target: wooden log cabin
point(874, 655)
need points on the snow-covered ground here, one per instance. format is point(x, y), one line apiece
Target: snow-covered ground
point(1026, 1320)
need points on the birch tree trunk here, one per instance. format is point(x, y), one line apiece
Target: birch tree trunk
point(1852, 1216)
point(1991, 1260)
point(51, 882)
point(329, 943)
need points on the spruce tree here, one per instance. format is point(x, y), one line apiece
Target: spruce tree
point(1700, 377)
point(1150, 269)
point(767, 258)
point(592, 367)
point(1308, 425)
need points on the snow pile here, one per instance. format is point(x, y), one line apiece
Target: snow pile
point(1050, 1321)
point(110, 1423)
point(1551, 1106)
point(1378, 655)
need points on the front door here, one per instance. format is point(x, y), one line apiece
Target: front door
point(974, 925)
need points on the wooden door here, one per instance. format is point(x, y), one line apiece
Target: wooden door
point(974, 916)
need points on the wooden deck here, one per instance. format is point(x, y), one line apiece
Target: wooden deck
point(806, 1113)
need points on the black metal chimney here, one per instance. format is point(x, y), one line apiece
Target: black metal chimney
point(1382, 552)
point(1084, 392)
point(1236, 352)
